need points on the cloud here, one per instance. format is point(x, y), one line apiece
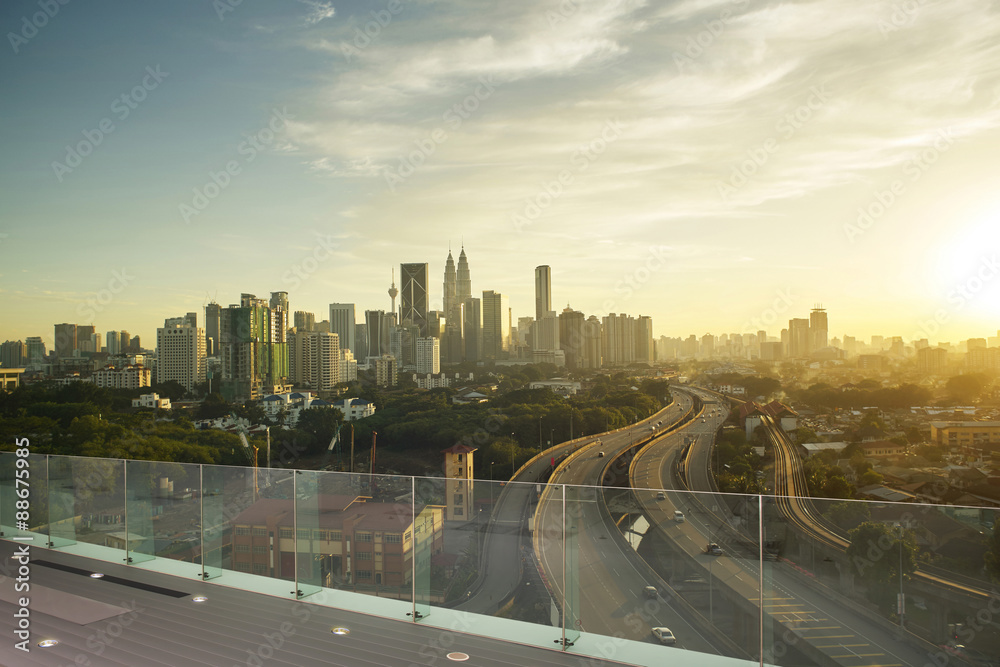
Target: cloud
point(318, 11)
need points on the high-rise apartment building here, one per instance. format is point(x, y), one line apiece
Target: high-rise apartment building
point(428, 355)
point(543, 293)
point(413, 295)
point(342, 323)
point(385, 371)
point(644, 339)
point(592, 343)
point(253, 349)
point(545, 332)
point(496, 325)
point(932, 360)
point(180, 355)
point(13, 354)
point(618, 340)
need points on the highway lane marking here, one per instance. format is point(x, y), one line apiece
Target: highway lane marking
point(841, 645)
point(827, 627)
point(856, 655)
point(828, 636)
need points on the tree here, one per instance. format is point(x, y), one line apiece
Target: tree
point(966, 388)
point(848, 515)
point(321, 424)
point(876, 552)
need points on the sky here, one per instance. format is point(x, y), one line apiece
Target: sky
point(716, 165)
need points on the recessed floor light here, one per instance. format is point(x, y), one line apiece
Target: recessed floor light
point(96, 575)
point(341, 631)
point(458, 657)
point(46, 643)
point(200, 598)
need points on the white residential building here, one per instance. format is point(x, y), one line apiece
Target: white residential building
point(428, 355)
point(180, 355)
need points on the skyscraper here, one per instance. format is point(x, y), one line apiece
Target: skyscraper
point(342, 323)
point(65, 336)
point(543, 292)
point(304, 321)
point(428, 355)
point(799, 339)
point(13, 354)
point(473, 329)
point(450, 289)
point(818, 328)
point(496, 325)
point(463, 283)
point(213, 314)
point(571, 337)
point(253, 349)
point(84, 337)
point(379, 325)
point(413, 305)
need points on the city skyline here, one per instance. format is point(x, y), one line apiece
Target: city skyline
point(694, 163)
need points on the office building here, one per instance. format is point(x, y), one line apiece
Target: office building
point(35, 351)
point(304, 321)
point(343, 323)
point(543, 293)
point(213, 316)
point(818, 329)
point(496, 325)
point(413, 296)
point(65, 337)
point(473, 329)
point(378, 324)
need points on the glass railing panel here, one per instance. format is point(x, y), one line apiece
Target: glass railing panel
point(684, 570)
point(8, 493)
point(834, 579)
point(312, 565)
point(257, 534)
point(88, 494)
point(428, 536)
point(169, 494)
point(62, 502)
point(215, 527)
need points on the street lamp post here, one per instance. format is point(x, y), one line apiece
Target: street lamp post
point(512, 446)
point(900, 603)
point(492, 463)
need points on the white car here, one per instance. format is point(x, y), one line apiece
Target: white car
point(664, 636)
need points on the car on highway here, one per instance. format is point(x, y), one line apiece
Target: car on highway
point(650, 592)
point(660, 495)
point(600, 455)
point(678, 516)
point(702, 420)
point(664, 636)
point(713, 549)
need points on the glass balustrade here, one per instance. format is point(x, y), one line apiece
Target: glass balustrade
point(607, 572)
